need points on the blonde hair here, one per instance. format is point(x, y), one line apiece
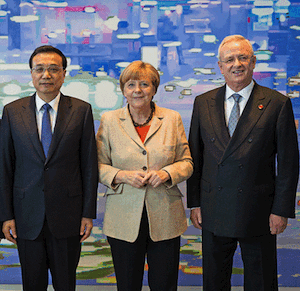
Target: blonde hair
point(136, 71)
point(235, 37)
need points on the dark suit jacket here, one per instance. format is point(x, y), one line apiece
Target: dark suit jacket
point(235, 181)
point(63, 187)
point(1, 233)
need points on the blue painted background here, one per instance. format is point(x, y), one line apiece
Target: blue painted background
point(180, 38)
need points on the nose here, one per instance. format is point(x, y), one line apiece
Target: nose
point(137, 88)
point(237, 62)
point(46, 74)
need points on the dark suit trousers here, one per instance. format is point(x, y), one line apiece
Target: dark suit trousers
point(259, 256)
point(129, 261)
point(61, 256)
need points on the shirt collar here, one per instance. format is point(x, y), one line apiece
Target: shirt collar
point(245, 92)
point(54, 103)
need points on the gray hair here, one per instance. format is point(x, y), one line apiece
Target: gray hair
point(235, 37)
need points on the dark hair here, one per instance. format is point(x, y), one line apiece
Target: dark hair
point(48, 49)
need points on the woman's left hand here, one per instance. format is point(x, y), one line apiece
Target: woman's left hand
point(156, 178)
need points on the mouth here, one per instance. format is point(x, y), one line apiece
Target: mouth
point(238, 72)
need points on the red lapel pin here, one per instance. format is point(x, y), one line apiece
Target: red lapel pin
point(260, 107)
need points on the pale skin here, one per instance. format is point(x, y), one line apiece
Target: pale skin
point(47, 86)
point(238, 75)
point(139, 94)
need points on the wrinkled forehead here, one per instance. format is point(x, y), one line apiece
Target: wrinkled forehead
point(233, 48)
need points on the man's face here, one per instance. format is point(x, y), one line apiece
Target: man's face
point(47, 82)
point(237, 64)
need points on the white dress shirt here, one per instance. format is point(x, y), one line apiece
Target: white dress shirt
point(229, 102)
point(40, 111)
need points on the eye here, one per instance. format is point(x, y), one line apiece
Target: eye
point(39, 70)
point(144, 84)
point(229, 61)
point(53, 69)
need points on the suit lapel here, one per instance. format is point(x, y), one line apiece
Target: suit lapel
point(217, 116)
point(64, 115)
point(128, 126)
point(29, 118)
point(254, 109)
point(155, 124)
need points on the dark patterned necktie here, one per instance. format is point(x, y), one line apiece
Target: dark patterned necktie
point(235, 114)
point(46, 135)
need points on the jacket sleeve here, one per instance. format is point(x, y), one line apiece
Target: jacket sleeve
point(287, 163)
point(7, 164)
point(196, 146)
point(107, 172)
point(182, 168)
point(89, 167)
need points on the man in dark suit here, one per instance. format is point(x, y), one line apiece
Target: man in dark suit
point(48, 175)
point(1, 233)
point(243, 188)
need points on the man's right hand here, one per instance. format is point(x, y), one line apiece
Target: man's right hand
point(196, 218)
point(9, 230)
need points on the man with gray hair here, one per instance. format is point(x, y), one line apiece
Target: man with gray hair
point(244, 145)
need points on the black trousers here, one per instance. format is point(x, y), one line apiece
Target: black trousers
point(129, 261)
point(259, 256)
point(61, 256)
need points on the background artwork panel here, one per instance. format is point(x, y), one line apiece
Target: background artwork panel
point(180, 38)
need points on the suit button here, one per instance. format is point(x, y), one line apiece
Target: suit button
point(145, 168)
point(46, 169)
point(144, 152)
point(240, 190)
point(240, 166)
point(219, 188)
point(212, 139)
point(250, 139)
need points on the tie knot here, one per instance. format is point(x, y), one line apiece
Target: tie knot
point(46, 106)
point(236, 97)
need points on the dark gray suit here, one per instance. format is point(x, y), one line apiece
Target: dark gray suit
point(235, 181)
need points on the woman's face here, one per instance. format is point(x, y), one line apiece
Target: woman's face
point(139, 93)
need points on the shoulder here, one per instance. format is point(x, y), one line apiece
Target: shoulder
point(22, 102)
point(210, 94)
point(75, 101)
point(273, 94)
point(113, 114)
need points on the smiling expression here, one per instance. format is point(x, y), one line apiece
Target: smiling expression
point(139, 93)
point(238, 71)
point(47, 85)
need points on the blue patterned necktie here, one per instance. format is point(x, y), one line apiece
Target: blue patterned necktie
point(46, 135)
point(235, 114)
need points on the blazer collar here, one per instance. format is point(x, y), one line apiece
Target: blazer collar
point(129, 128)
point(63, 118)
point(217, 116)
point(254, 109)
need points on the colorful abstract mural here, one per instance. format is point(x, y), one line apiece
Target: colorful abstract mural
point(180, 38)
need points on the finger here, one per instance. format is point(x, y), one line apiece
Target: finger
point(82, 228)
point(86, 234)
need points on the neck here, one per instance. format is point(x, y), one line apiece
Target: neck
point(47, 98)
point(140, 115)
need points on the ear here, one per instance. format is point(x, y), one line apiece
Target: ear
point(220, 64)
point(254, 61)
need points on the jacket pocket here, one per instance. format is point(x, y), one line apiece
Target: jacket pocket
point(205, 186)
point(117, 190)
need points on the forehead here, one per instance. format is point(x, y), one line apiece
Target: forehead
point(235, 47)
point(49, 58)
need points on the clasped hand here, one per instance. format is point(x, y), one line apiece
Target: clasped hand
point(139, 179)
